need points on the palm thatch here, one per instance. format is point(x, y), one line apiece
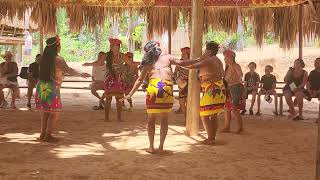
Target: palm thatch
point(266, 16)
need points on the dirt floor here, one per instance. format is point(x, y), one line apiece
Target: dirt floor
point(271, 148)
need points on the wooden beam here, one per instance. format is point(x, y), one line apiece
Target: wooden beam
point(20, 60)
point(169, 31)
point(41, 40)
point(194, 85)
point(318, 151)
point(300, 26)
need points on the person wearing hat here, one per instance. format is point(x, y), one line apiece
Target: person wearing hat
point(98, 78)
point(235, 91)
point(130, 75)
point(181, 76)
point(8, 79)
point(114, 85)
point(47, 96)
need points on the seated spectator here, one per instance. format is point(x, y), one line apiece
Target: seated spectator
point(295, 79)
point(251, 83)
point(8, 79)
point(313, 82)
point(268, 87)
point(98, 78)
point(33, 76)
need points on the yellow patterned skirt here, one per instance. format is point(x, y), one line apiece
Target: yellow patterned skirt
point(159, 97)
point(213, 98)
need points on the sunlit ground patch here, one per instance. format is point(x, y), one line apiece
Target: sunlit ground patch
point(137, 140)
point(76, 150)
point(21, 138)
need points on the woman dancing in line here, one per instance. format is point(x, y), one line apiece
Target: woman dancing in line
point(114, 85)
point(47, 97)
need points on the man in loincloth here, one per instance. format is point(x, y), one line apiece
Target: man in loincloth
point(213, 92)
point(181, 76)
point(114, 85)
point(235, 91)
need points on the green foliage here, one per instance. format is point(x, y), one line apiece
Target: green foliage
point(138, 33)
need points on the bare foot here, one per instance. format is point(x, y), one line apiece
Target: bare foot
point(240, 130)
point(50, 138)
point(293, 115)
point(41, 138)
point(208, 142)
point(225, 130)
point(13, 106)
point(106, 119)
point(150, 150)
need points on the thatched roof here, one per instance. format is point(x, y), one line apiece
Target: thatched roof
point(15, 27)
point(278, 16)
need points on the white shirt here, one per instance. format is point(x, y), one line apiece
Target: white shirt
point(28, 42)
point(99, 72)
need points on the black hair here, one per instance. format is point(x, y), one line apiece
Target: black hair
point(213, 47)
point(301, 62)
point(47, 64)
point(269, 66)
point(149, 45)
point(109, 62)
point(254, 64)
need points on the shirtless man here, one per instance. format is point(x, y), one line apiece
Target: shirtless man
point(212, 101)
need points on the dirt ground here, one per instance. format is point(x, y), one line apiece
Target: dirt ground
point(271, 148)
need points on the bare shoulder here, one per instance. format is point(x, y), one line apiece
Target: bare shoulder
point(59, 58)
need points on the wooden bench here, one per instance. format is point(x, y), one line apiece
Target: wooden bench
point(280, 96)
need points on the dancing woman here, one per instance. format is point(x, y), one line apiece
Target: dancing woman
point(114, 85)
point(48, 99)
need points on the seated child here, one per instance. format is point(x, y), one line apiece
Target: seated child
point(251, 83)
point(268, 85)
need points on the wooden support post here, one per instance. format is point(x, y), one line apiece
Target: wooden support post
point(169, 31)
point(318, 152)
point(281, 105)
point(41, 40)
point(300, 30)
point(19, 60)
point(194, 86)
